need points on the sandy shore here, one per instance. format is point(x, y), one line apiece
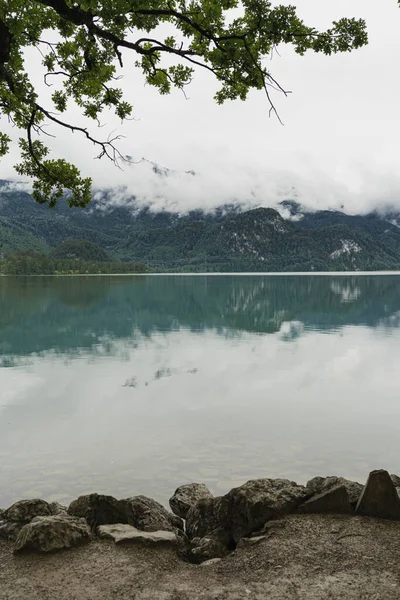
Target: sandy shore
point(311, 557)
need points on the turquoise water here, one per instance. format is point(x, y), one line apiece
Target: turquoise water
point(129, 385)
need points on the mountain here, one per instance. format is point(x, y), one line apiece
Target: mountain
point(228, 239)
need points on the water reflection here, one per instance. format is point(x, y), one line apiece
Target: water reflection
point(135, 385)
point(67, 314)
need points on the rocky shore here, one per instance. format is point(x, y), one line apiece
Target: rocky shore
point(211, 531)
point(200, 527)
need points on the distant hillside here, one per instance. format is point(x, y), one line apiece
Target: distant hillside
point(225, 240)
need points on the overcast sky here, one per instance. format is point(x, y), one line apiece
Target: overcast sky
point(339, 144)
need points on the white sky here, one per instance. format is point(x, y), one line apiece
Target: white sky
point(339, 144)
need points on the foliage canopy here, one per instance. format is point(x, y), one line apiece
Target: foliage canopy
point(83, 46)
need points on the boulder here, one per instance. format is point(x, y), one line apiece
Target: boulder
point(203, 517)
point(332, 500)
point(148, 515)
point(47, 534)
point(98, 509)
point(127, 533)
point(319, 484)
point(26, 510)
point(9, 530)
point(186, 496)
point(213, 545)
point(396, 480)
point(58, 509)
point(246, 509)
point(379, 497)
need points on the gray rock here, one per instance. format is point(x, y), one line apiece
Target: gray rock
point(127, 533)
point(203, 517)
point(379, 497)
point(47, 534)
point(186, 496)
point(9, 530)
point(246, 509)
point(396, 480)
point(332, 500)
point(321, 484)
point(26, 510)
point(212, 561)
point(98, 509)
point(58, 509)
point(148, 515)
point(213, 545)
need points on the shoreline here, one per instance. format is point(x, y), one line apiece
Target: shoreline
point(217, 274)
point(274, 539)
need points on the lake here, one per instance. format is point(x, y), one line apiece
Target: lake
point(137, 384)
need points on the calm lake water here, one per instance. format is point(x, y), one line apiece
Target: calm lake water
point(135, 385)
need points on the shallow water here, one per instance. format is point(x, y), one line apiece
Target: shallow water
point(129, 385)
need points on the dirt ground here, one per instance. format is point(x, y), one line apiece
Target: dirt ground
point(310, 557)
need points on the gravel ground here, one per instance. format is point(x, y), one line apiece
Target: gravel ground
point(310, 557)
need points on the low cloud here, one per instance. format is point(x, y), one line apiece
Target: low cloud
point(207, 187)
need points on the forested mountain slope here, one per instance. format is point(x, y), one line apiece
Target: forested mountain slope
point(225, 240)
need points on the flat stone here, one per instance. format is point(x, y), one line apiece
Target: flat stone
point(332, 500)
point(186, 496)
point(47, 534)
point(379, 497)
point(26, 510)
point(253, 541)
point(209, 563)
point(321, 484)
point(121, 533)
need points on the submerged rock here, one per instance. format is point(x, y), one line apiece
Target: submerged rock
point(332, 500)
point(148, 515)
point(26, 510)
point(320, 484)
point(47, 534)
point(379, 497)
point(98, 509)
point(186, 496)
point(127, 533)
